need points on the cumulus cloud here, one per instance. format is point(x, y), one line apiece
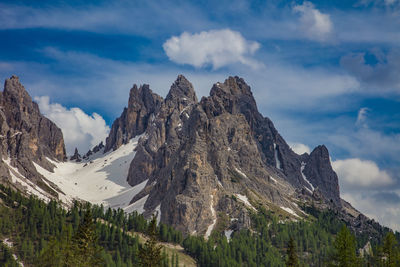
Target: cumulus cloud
point(357, 173)
point(313, 23)
point(369, 189)
point(381, 209)
point(216, 48)
point(299, 148)
point(79, 129)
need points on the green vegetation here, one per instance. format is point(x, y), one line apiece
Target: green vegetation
point(46, 234)
point(322, 241)
point(6, 256)
point(49, 235)
point(292, 260)
point(150, 253)
point(344, 254)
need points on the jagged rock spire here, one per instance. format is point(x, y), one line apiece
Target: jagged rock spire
point(142, 104)
point(182, 88)
point(76, 157)
point(319, 172)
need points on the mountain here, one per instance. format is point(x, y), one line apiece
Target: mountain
point(27, 138)
point(217, 159)
point(199, 165)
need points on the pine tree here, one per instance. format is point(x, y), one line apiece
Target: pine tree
point(150, 253)
point(345, 249)
point(53, 254)
point(292, 255)
point(176, 260)
point(391, 251)
point(84, 250)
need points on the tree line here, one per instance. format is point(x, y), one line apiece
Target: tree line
point(46, 234)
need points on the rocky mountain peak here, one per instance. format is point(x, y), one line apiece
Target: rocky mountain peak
point(76, 157)
point(13, 84)
point(182, 89)
point(233, 86)
point(142, 104)
point(13, 88)
point(15, 97)
point(26, 135)
point(233, 96)
point(140, 97)
point(319, 172)
point(219, 147)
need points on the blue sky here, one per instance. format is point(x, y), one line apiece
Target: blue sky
point(326, 72)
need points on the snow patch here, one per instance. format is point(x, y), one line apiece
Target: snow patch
point(289, 210)
point(303, 165)
point(300, 209)
point(211, 226)
point(228, 234)
point(16, 133)
point(245, 200)
point(101, 179)
point(31, 188)
point(138, 206)
point(241, 173)
point(10, 244)
point(158, 212)
point(218, 181)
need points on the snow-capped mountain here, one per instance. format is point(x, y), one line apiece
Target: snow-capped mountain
point(194, 163)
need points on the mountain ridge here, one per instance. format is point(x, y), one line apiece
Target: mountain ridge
point(197, 163)
point(180, 159)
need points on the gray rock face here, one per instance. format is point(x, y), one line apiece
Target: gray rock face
point(212, 157)
point(319, 172)
point(134, 119)
point(164, 133)
point(25, 134)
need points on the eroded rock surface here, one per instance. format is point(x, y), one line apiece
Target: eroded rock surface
point(26, 136)
point(219, 157)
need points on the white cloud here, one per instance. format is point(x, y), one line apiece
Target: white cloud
point(313, 23)
point(384, 212)
point(357, 173)
point(79, 129)
point(217, 48)
point(299, 148)
point(108, 17)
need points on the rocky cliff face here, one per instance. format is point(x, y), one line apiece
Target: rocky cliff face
point(318, 170)
point(135, 118)
point(213, 160)
point(206, 163)
point(25, 135)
